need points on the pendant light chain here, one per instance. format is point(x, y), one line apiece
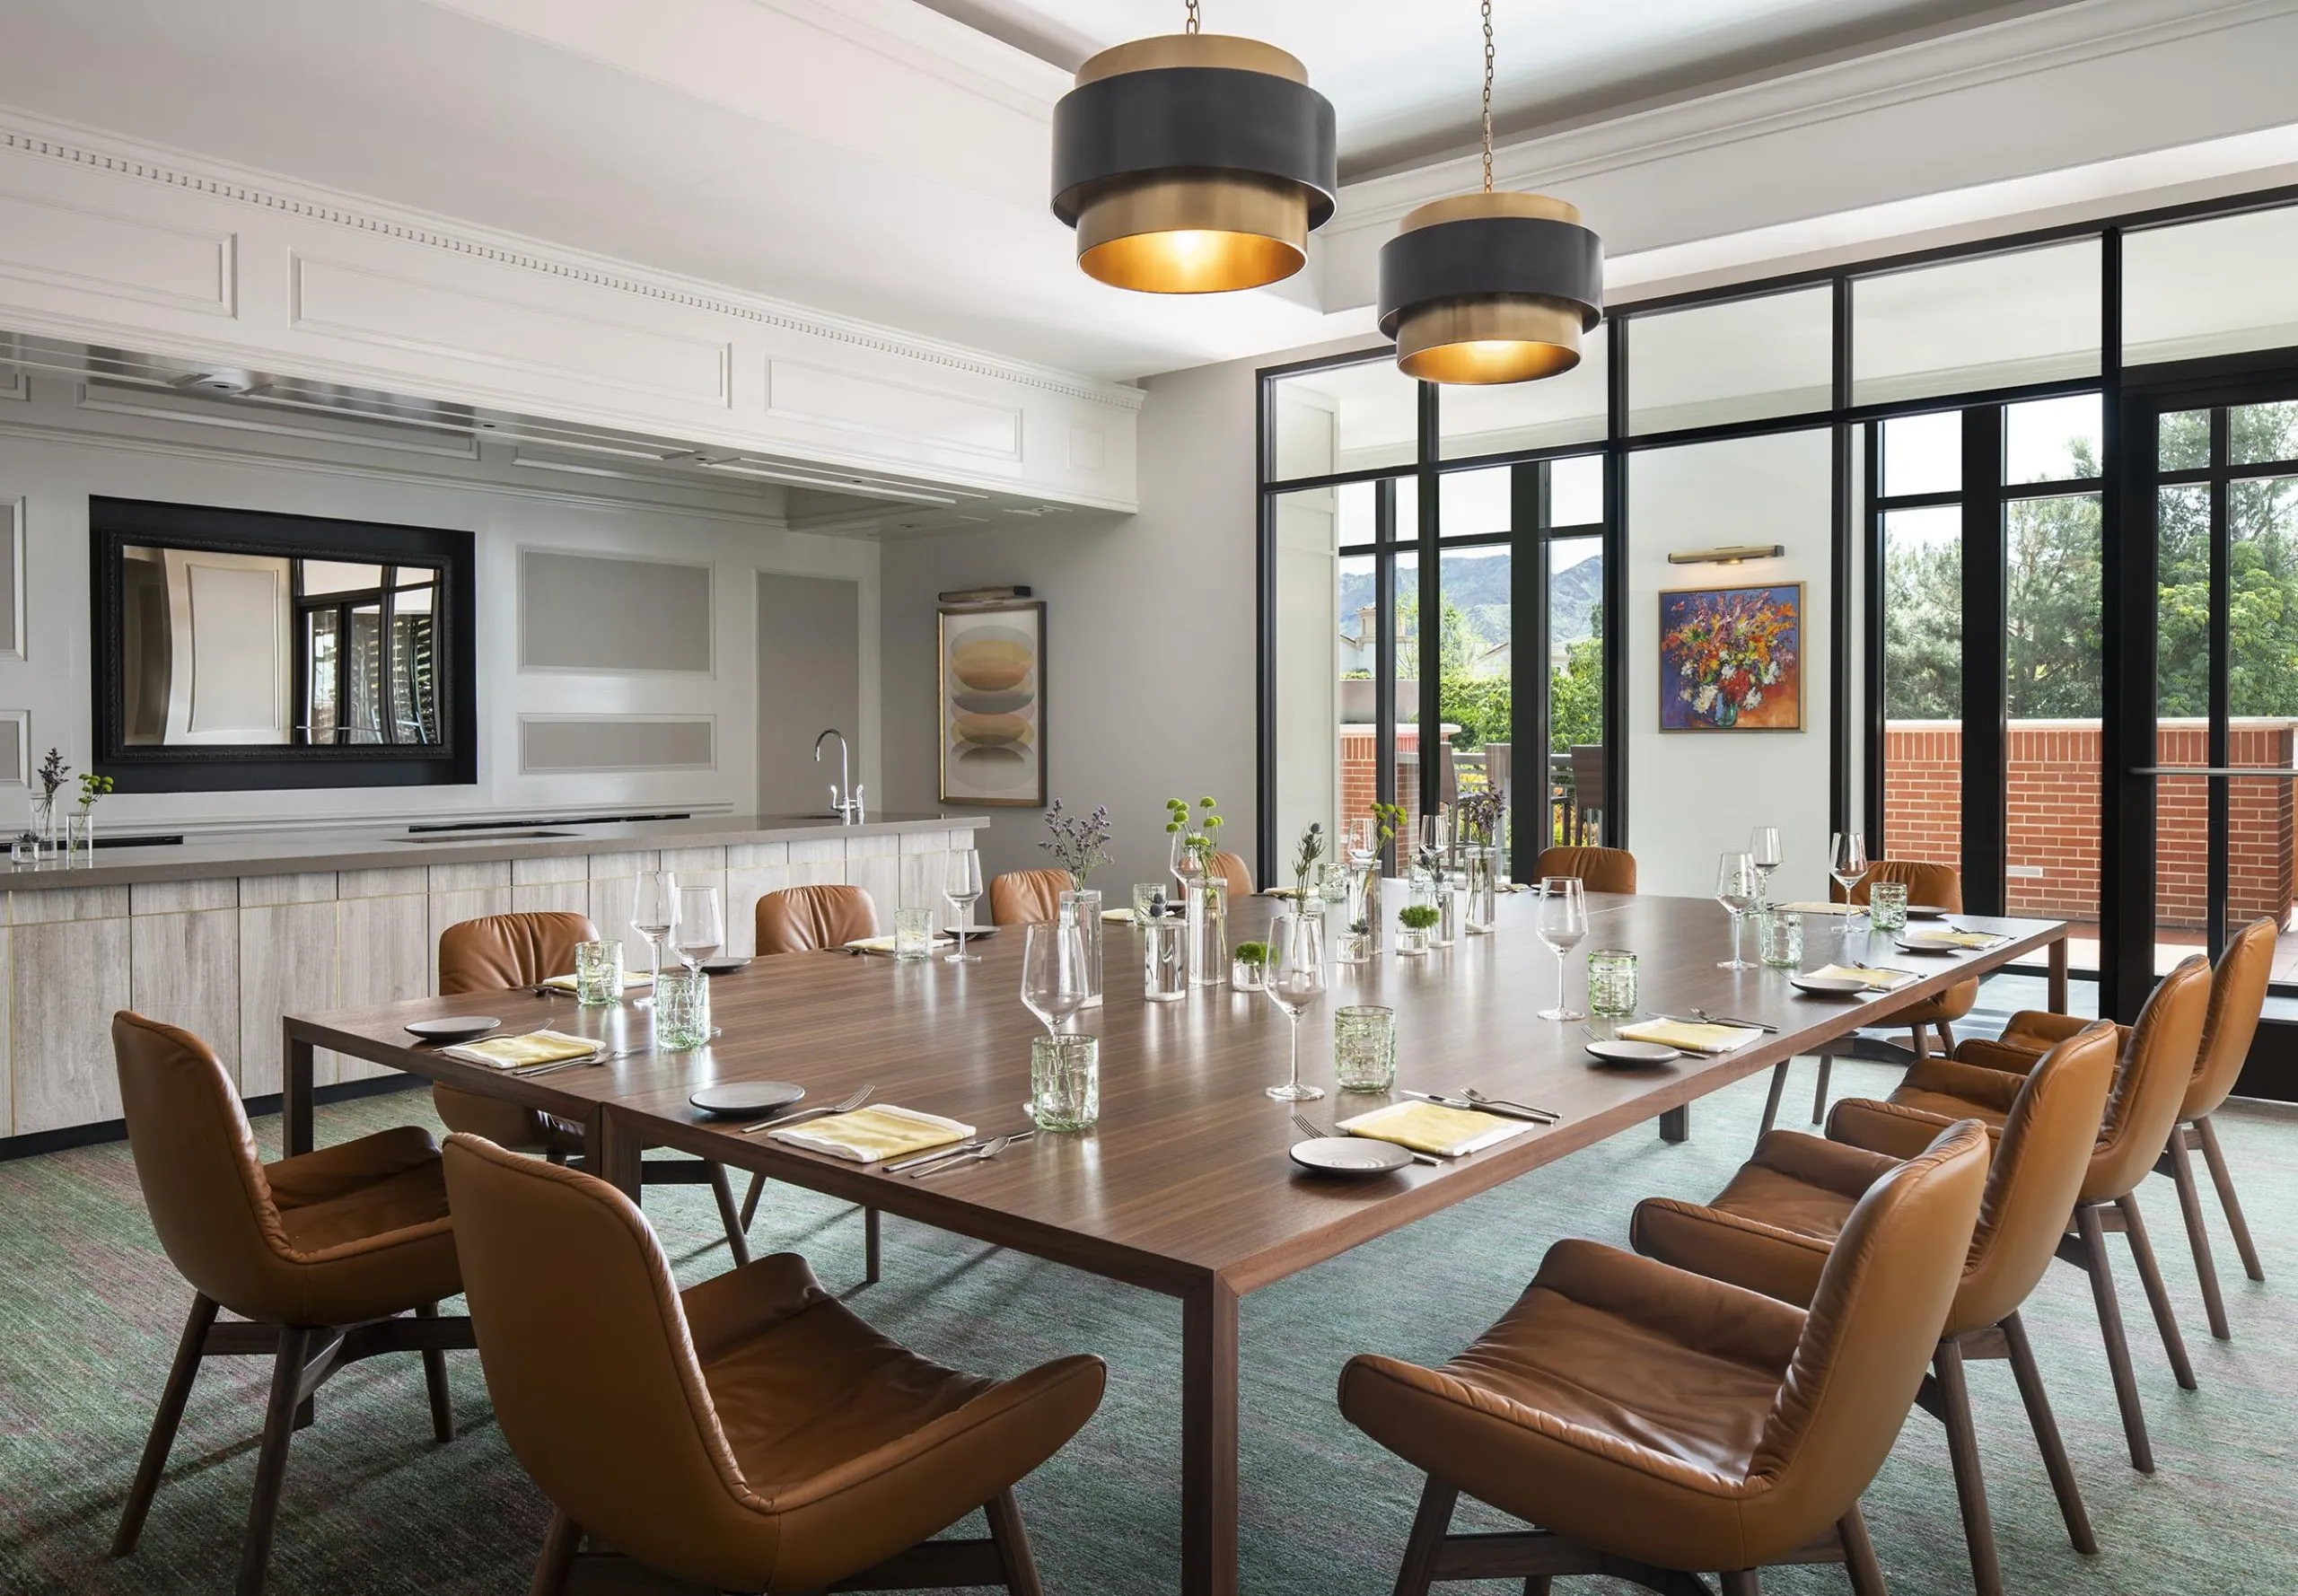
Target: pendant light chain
point(1487, 92)
point(1191, 26)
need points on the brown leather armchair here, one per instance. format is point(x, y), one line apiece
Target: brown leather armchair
point(1233, 867)
point(1658, 1425)
point(2238, 988)
point(748, 1434)
point(1599, 870)
point(322, 1255)
point(1773, 1226)
point(1021, 896)
point(495, 952)
point(2158, 1060)
point(805, 919)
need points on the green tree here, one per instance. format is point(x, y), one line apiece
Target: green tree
point(1575, 690)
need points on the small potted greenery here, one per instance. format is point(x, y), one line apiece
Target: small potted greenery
point(1357, 945)
point(1414, 922)
point(1249, 966)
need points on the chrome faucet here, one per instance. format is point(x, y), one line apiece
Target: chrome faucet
point(843, 796)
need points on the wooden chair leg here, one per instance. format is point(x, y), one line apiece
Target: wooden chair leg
point(435, 1379)
point(1947, 1038)
point(2102, 1293)
point(561, 1542)
point(1970, 1481)
point(1819, 1093)
point(271, 1464)
point(1437, 1501)
point(1538, 1584)
point(1921, 1038)
point(1012, 1541)
point(1741, 1581)
point(190, 1346)
point(2206, 1270)
point(1859, 1555)
point(2158, 1295)
point(728, 1216)
point(749, 1200)
point(2045, 1425)
point(1771, 1103)
point(2216, 1157)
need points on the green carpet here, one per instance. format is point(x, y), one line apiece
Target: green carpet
point(90, 1312)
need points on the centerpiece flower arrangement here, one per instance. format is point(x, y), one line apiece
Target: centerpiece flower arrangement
point(1414, 922)
point(1305, 857)
point(1481, 816)
point(1080, 843)
point(1196, 831)
point(1727, 651)
point(52, 772)
point(1195, 839)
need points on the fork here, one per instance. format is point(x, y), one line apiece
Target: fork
point(981, 1154)
point(570, 1064)
point(1503, 1104)
point(853, 1100)
point(1307, 1127)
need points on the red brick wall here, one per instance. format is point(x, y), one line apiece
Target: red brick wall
point(2053, 809)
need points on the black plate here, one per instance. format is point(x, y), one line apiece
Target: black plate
point(747, 1096)
point(974, 934)
point(723, 967)
point(454, 1028)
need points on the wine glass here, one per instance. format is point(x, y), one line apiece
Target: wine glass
point(655, 915)
point(1762, 848)
point(701, 929)
point(1847, 863)
point(1053, 971)
point(1435, 838)
point(1184, 864)
point(1737, 885)
point(1296, 978)
point(1360, 839)
point(963, 890)
point(1562, 924)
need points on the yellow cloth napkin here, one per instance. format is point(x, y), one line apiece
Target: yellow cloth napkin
point(516, 1052)
point(872, 1134)
point(1432, 1128)
point(1878, 978)
point(1818, 908)
point(1951, 938)
point(1687, 1037)
point(1123, 916)
point(631, 978)
point(885, 945)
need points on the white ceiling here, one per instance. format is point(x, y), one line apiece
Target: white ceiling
point(1405, 80)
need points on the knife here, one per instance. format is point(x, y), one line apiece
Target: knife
point(941, 1154)
point(1463, 1104)
point(1723, 1020)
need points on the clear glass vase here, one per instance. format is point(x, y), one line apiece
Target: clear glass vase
point(80, 837)
point(1208, 931)
point(1447, 929)
point(1082, 907)
point(1364, 907)
point(44, 826)
point(1481, 866)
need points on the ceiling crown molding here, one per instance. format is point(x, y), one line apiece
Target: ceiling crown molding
point(2014, 46)
point(39, 138)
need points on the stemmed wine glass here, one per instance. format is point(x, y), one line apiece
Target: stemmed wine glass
point(1053, 971)
point(701, 928)
point(1847, 863)
point(1435, 838)
point(963, 890)
point(1763, 851)
point(1562, 924)
point(1359, 838)
point(655, 915)
point(1296, 977)
point(1737, 886)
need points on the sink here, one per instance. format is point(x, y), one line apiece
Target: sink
point(482, 836)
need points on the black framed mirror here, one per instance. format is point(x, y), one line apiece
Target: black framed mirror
point(236, 650)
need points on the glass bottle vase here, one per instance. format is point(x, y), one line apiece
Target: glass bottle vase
point(1082, 906)
point(1364, 907)
point(1482, 868)
point(1208, 931)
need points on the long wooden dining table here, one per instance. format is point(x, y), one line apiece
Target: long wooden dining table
point(1185, 1187)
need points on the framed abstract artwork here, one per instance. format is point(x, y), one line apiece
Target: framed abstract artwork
point(992, 704)
point(1732, 659)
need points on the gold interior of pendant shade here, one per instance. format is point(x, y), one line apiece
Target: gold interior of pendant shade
point(1192, 49)
point(1512, 339)
point(1194, 233)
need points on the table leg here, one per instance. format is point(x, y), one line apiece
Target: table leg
point(612, 1151)
point(1209, 1440)
point(294, 1095)
point(1675, 1124)
point(2058, 976)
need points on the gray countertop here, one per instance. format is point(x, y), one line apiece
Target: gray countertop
point(378, 847)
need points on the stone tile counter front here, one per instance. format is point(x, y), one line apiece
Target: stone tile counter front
point(224, 937)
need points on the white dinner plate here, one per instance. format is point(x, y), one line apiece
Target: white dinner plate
point(1922, 945)
point(723, 967)
point(1829, 986)
point(1625, 1052)
point(747, 1096)
point(1350, 1155)
point(454, 1027)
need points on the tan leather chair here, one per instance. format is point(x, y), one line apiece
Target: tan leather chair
point(805, 919)
point(2238, 987)
point(322, 1255)
point(1941, 886)
point(497, 951)
point(1658, 1425)
point(2158, 1059)
point(1773, 1226)
point(1234, 868)
point(1599, 870)
point(750, 1433)
point(1023, 896)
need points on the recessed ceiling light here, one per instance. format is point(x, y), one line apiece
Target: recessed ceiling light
point(223, 380)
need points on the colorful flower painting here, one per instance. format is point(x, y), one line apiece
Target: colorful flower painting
point(1731, 659)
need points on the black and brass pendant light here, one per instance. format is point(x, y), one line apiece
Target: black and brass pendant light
point(1490, 287)
point(1193, 164)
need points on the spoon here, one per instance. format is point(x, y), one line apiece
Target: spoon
point(987, 1150)
point(1482, 1101)
point(853, 1100)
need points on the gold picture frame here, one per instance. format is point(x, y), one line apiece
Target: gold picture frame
point(989, 674)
